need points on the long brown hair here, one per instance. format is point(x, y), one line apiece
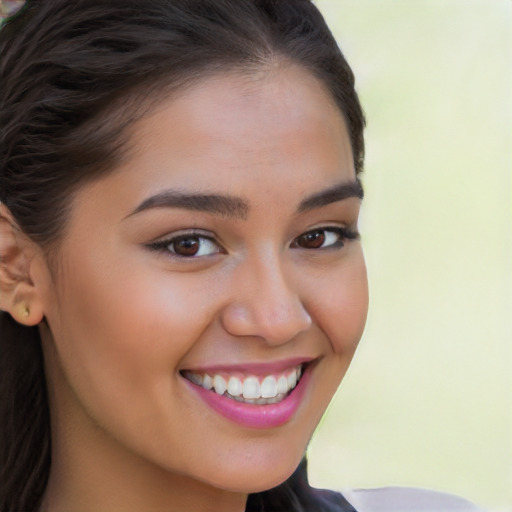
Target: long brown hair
point(73, 76)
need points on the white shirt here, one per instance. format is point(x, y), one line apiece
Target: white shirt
point(406, 499)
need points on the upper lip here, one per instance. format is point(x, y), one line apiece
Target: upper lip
point(259, 368)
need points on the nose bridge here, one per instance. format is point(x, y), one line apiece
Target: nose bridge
point(266, 302)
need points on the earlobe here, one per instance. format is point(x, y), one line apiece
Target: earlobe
point(27, 315)
point(18, 294)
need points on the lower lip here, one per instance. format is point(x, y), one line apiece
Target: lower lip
point(252, 415)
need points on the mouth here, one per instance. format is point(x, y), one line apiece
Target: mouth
point(256, 395)
point(266, 389)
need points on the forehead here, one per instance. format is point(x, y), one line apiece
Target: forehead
point(243, 114)
point(275, 132)
point(282, 96)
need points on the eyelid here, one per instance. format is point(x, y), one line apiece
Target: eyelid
point(346, 234)
point(162, 244)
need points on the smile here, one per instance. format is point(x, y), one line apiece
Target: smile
point(257, 397)
point(250, 389)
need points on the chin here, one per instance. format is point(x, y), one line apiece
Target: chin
point(258, 476)
point(256, 482)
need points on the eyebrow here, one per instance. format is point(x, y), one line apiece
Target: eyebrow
point(236, 207)
point(228, 206)
point(332, 195)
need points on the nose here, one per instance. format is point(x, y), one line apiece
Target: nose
point(265, 304)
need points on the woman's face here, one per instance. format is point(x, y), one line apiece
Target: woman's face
point(222, 252)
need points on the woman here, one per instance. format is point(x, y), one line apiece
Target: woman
point(181, 275)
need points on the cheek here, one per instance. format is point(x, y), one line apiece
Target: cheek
point(342, 306)
point(120, 333)
point(141, 317)
point(122, 330)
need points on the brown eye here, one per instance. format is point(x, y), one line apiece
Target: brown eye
point(185, 246)
point(188, 246)
point(325, 238)
point(312, 240)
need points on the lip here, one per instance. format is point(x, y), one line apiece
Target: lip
point(257, 369)
point(251, 415)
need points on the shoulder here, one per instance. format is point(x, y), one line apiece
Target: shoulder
point(407, 499)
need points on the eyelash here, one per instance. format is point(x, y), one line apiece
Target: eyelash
point(164, 245)
point(344, 235)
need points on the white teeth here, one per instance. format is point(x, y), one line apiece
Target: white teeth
point(234, 386)
point(220, 385)
point(292, 379)
point(195, 378)
point(207, 382)
point(251, 388)
point(282, 385)
point(269, 387)
point(270, 390)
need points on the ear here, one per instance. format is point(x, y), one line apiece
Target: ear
point(18, 294)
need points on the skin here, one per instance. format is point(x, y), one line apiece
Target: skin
point(124, 319)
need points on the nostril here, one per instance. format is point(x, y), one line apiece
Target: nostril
point(275, 323)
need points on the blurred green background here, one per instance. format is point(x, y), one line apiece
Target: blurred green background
point(428, 399)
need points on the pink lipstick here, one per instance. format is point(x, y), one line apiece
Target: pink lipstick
point(264, 401)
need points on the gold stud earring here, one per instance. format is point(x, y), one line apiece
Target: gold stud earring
point(25, 312)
